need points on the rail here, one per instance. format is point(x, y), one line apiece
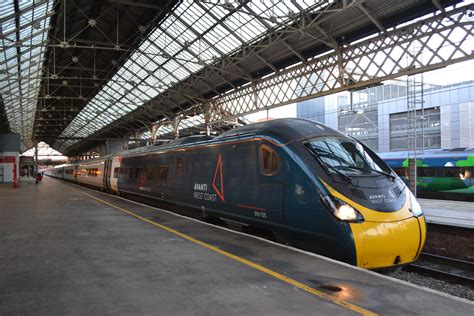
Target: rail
point(444, 268)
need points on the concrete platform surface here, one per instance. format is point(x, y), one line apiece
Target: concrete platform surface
point(451, 213)
point(71, 250)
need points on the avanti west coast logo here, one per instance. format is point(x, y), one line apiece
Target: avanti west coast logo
point(201, 190)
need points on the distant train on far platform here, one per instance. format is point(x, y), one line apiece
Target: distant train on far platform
point(441, 174)
point(299, 180)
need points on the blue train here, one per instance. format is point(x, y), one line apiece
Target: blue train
point(305, 182)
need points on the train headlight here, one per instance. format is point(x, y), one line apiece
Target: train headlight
point(346, 212)
point(415, 207)
point(342, 210)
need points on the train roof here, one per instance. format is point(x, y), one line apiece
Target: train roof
point(430, 153)
point(285, 129)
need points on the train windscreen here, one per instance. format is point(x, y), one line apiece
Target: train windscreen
point(344, 155)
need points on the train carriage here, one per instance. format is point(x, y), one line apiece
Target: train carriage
point(306, 183)
point(441, 174)
point(69, 172)
point(91, 172)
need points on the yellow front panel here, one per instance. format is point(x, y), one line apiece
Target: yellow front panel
point(422, 222)
point(371, 215)
point(379, 243)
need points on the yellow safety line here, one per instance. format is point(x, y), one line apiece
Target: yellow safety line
point(254, 265)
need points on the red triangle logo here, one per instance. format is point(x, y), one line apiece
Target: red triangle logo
point(218, 182)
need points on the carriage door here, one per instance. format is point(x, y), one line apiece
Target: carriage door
point(107, 173)
point(269, 183)
point(115, 172)
point(1, 175)
point(75, 173)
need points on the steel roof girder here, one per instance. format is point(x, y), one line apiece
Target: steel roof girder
point(217, 74)
point(221, 21)
point(271, 85)
point(266, 62)
point(373, 19)
point(198, 35)
point(294, 51)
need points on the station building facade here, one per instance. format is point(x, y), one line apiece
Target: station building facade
point(379, 117)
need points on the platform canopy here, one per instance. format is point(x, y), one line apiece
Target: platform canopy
point(74, 73)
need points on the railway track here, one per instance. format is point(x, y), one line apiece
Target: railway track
point(444, 268)
point(450, 241)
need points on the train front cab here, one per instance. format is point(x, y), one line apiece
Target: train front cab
point(384, 240)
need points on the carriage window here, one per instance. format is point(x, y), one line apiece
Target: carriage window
point(426, 172)
point(149, 173)
point(116, 172)
point(452, 172)
point(163, 173)
point(402, 172)
point(92, 172)
point(130, 175)
point(123, 172)
point(269, 161)
point(179, 166)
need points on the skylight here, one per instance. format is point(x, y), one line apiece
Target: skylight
point(21, 60)
point(193, 36)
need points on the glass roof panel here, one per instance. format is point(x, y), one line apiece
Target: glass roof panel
point(193, 35)
point(33, 23)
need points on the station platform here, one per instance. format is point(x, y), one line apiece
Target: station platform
point(450, 213)
point(69, 249)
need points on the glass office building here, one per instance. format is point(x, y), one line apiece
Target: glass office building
point(379, 115)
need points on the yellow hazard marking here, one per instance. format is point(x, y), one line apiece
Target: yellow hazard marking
point(254, 265)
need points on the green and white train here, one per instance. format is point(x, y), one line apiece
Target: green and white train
point(441, 174)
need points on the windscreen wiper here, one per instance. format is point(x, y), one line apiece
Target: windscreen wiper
point(374, 170)
point(327, 167)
